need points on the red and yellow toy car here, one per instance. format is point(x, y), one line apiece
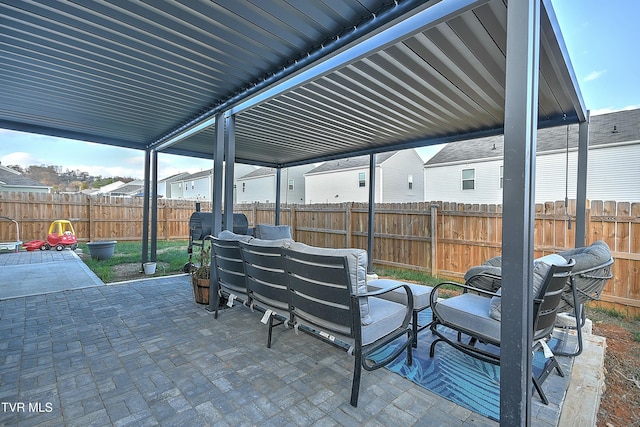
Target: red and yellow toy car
point(61, 235)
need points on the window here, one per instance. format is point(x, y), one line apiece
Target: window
point(501, 176)
point(244, 187)
point(290, 185)
point(193, 185)
point(361, 182)
point(468, 179)
point(410, 179)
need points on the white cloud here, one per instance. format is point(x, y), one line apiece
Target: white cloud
point(20, 158)
point(594, 75)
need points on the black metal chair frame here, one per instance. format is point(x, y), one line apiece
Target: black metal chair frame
point(227, 271)
point(545, 309)
point(573, 292)
point(305, 271)
point(266, 280)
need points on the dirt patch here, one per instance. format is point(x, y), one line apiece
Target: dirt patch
point(620, 403)
point(133, 271)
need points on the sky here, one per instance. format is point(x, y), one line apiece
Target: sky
point(601, 38)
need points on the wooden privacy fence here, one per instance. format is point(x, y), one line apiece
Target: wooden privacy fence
point(465, 235)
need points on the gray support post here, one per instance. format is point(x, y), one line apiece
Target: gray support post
point(145, 208)
point(278, 198)
point(154, 205)
point(229, 167)
point(581, 191)
point(216, 206)
point(521, 118)
point(372, 208)
point(218, 166)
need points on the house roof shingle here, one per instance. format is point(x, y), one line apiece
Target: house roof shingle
point(620, 126)
point(10, 177)
point(351, 163)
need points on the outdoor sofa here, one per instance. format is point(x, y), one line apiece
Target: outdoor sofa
point(320, 291)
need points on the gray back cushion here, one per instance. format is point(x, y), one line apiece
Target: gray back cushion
point(230, 235)
point(273, 232)
point(540, 269)
point(588, 257)
point(277, 243)
point(357, 265)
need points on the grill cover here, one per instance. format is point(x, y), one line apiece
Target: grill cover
point(200, 224)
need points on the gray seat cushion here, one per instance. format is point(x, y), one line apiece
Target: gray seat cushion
point(471, 312)
point(421, 293)
point(385, 317)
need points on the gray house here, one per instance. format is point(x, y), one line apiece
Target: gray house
point(398, 179)
point(199, 185)
point(12, 180)
point(472, 171)
point(260, 185)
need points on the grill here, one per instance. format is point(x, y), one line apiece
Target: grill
point(200, 224)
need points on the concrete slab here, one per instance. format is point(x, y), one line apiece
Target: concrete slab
point(587, 385)
point(40, 272)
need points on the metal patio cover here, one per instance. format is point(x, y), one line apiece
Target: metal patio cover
point(142, 74)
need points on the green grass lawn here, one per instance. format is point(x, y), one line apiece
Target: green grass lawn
point(171, 255)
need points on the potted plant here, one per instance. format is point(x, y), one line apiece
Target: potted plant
point(201, 274)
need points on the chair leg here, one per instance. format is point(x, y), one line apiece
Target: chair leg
point(357, 371)
point(415, 329)
point(578, 312)
point(270, 330)
point(538, 388)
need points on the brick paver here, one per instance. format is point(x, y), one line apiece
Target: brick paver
point(143, 353)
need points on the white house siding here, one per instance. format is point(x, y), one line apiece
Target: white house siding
point(612, 174)
point(176, 190)
point(28, 189)
point(296, 174)
point(340, 186)
point(262, 187)
point(445, 183)
point(395, 178)
point(197, 189)
point(258, 189)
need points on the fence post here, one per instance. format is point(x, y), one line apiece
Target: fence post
point(347, 224)
point(90, 218)
point(292, 220)
point(166, 220)
point(255, 214)
point(434, 240)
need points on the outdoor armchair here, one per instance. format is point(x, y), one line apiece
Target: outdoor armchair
point(328, 294)
point(585, 283)
point(475, 316)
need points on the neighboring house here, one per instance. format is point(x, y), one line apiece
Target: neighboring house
point(398, 179)
point(164, 185)
point(199, 186)
point(130, 189)
point(260, 185)
point(12, 180)
point(472, 171)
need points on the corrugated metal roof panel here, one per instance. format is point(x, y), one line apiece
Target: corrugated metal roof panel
point(132, 73)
